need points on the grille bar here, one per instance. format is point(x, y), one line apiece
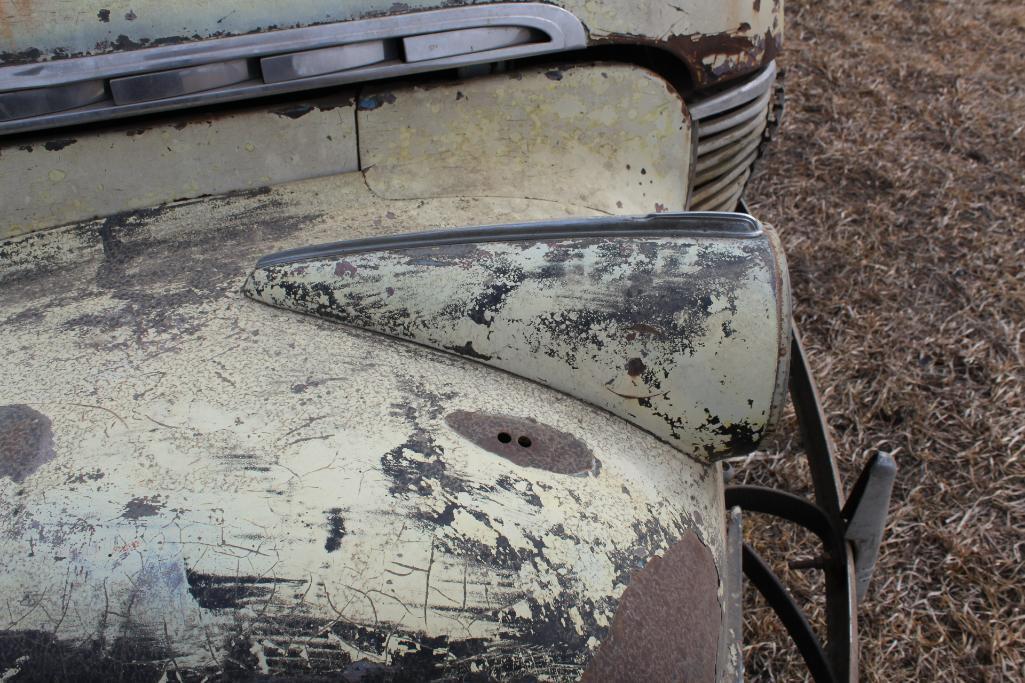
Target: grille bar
point(730, 126)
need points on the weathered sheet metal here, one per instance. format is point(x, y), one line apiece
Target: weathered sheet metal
point(716, 39)
point(610, 138)
point(235, 490)
point(58, 179)
point(676, 323)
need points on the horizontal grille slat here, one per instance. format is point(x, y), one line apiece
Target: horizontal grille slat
point(722, 164)
point(736, 117)
point(720, 140)
point(726, 199)
point(711, 189)
point(730, 128)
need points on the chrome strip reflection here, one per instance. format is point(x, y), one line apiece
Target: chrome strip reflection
point(164, 84)
point(549, 28)
point(698, 223)
point(21, 104)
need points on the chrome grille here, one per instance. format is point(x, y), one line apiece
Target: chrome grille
point(730, 127)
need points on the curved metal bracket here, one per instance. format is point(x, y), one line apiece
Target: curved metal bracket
point(860, 522)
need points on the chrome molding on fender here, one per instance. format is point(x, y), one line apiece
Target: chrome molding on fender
point(694, 224)
point(49, 94)
point(677, 323)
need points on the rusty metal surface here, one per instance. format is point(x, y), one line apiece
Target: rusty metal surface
point(526, 442)
point(667, 626)
point(679, 334)
point(731, 650)
point(26, 441)
point(716, 39)
point(236, 491)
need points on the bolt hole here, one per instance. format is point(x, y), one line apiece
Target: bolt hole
point(524, 441)
point(504, 437)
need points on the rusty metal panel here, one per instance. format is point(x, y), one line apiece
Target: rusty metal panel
point(57, 180)
point(613, 138)
point(716, 38)
point(221, 488)
point(676, 323)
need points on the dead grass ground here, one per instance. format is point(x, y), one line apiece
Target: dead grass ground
point(897, 183)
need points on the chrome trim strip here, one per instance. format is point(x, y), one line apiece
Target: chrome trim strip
point(736, 96)
point(463, 41)
point(327, 60)
point(693, 223)
point(41, 101)
point(563, 31)
point(177, 82)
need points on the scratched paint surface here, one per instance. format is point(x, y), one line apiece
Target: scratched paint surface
point(229, 489)
point(678, 335)
point(717, 37)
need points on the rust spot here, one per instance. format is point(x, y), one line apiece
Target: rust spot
point(635, 366)
point(743, 52)
point(525, 442)
point(344, 267)
point(666, 627)
point(26, 441)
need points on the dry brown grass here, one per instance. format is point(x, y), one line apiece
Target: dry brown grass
point(897, 183)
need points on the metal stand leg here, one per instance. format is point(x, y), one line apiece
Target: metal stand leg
point(850, 534)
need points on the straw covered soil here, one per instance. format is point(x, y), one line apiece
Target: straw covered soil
point(896, 181)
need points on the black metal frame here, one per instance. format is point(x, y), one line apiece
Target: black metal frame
point(836, 660)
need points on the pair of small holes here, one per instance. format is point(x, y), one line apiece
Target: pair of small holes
point(506, 437)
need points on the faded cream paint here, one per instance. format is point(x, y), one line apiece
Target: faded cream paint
point(67, 177)
point(75, 27)
point(519, 137)
point(616, 139)
point(201, 438)
point(681, 336)
point(242, 425)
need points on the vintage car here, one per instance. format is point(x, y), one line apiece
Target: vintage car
point(365, 341)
